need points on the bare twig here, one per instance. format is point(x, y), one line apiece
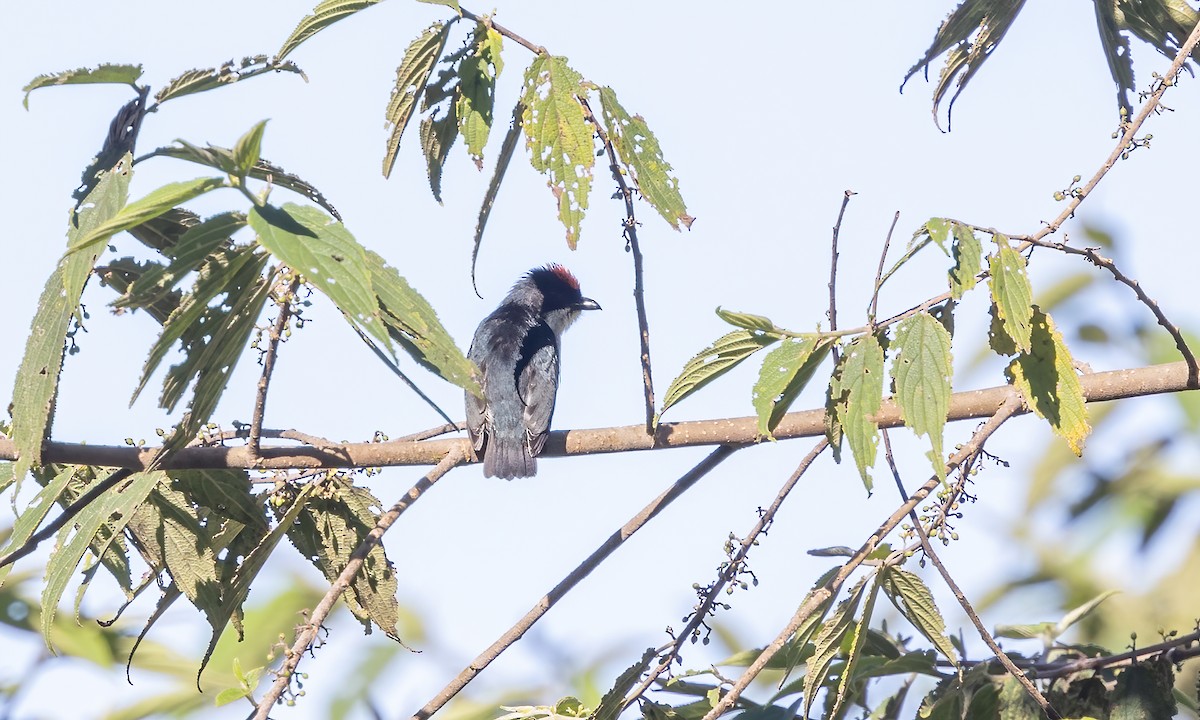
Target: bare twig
point(887, 243)
point(729, 572)
point(283, 676)
point(391, 365)
point(629, 232)
point(430, 433)
point(833, 261)
point(548, 600)
point(275, 335)
point(536, 49)
point(819, 597)
point(927, 547)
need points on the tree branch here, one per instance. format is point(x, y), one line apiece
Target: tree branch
point(972, 404)
point(548, 600)
point(274, 337)
point(283, 676)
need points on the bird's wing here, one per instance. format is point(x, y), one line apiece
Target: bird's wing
point(537, 383)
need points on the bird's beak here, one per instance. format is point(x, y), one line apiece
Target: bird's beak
point(588, 304)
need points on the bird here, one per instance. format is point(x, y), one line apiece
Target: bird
point(517, 350)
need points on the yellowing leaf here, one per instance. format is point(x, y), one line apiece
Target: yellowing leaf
point(1045, 375)
point(921, 370)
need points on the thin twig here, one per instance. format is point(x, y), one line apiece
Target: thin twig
point(548, 600)
point(432, 432)
point(274, 337)
point(986, 636)
point(536, 49)
point(629, 231)
point(308, 633)
point(729, 571)
point(400, 373)
point(819, 597)
point(831, 313)
point(887, 243)
point(69, 512)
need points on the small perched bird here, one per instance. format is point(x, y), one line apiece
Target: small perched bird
point(517, 350)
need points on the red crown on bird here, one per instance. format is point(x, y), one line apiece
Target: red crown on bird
point(562, 274)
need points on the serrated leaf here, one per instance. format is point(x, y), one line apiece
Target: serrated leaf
point(713, 362)
point(1144, 691)
point(489, 198)
point(938, 230)
point(162, 233)
point(921, 370)
point(28, 521)
point(558, 137)
point(858, 385)
point(785, 372)
point(1011, 292)
point(476, 100)
point(913, 599)
point(248, 148)
point(967, 37)
point(189, 253)
point(327, 255)
point(613, 701)
point(852, 651)
point(222, 159)
point(968, 260)
point(411, 78)
point(412, 322)
point(639, 150)
point(828, 643)
point(323, 15)
point(36, 384)
point(438, 135)
point(106, 73)
point(113, 509)
point(145, 208)
point(1046, 377)
point(746, 320)
point(198, 81)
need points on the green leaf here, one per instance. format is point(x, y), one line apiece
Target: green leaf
point(248, 149)
point(437, 137)
point(713, 362)
point(230, 695)
point(31, 517)
point(1082, 611)
point(915, 602)
point(857, 384)
point(1014, 703)
point(1011, 293)
point(613, 701)
point(146, 208)
point(189, 254)
point(938, 230)
point(828, 643)
point(785, 372)
point(113, 509)
point(323, 15)
point(448, 3)
point(476, 100)
point(36, 384)
point(411, 78)
point(1045, 375)
point(968, 37)
point(746, 320)
point(106, 73)
point(852, 651)
point(558, 137)
point(197, 81)
point(968, 260)
point(639, 150)
point(412, 322)
point(327, 255)
point(921, 371)
point(1143, 691)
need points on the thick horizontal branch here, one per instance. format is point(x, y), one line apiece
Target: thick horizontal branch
point(973, 404)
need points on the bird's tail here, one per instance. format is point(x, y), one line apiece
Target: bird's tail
point(508, 458)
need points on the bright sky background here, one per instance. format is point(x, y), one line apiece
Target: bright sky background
point(767, 115)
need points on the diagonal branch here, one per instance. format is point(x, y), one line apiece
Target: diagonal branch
point(1012, 404)
point(592, 561)
point(274, 337)
point(283, 676)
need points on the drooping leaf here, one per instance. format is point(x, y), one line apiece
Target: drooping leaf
point(915, 602)
point(411, 78)
point(858, 385)
point(785, 371)
point(1045, 375)
point(1164, 24)
point(921, 370)
point(639, 150)
point(326, 13)
point(967, 37)
point(114, 509)
point(713, 362)
point(328, 529)
point(558, 137)
point(189, 253)
point(1011, 292)
point(828, 643)
point(968, 260)
point(36, 384)
point(222, 159)
point(31, 517)
point(476, 100)
point(489, 198)
point(197, 81)
point(106, 73)
point(438, 135)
